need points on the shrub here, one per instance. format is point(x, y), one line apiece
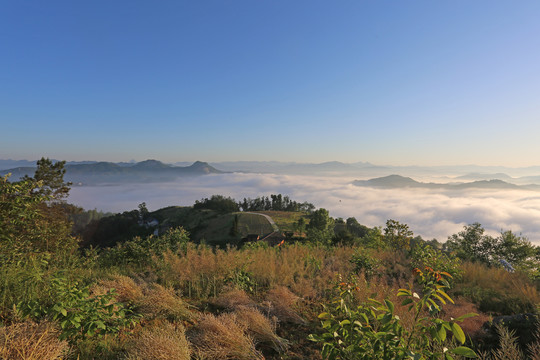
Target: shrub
point(79, 314)
point(364, 262)
point(424, 255)
point(374, 331)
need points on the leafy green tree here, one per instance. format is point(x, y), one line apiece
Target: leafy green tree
point(374, 239)
point(397, 235)
point(20, 218)
point(218, 203)
point(29, 224)
point(321, 227)
point(355, 228)
point(472, 244)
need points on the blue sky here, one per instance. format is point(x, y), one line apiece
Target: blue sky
point(390, 82)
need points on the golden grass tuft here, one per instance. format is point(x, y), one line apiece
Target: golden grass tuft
point(280, 302)
point(159, 301)
point(222, 337)
point(31, 341)
point(261, 328)
point(232, 299)
point(127, 290)
point(163, 342)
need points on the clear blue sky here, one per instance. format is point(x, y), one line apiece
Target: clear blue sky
point(391, 82)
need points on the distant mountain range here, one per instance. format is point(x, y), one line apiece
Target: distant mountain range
point(108, 172)
point(401, 182)
point(153, 170)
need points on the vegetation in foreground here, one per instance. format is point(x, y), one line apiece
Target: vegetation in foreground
point(333, 289)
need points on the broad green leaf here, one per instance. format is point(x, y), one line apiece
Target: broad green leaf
point(324, 316)
point(463, 317)
point(464, 351)
point(458, 332)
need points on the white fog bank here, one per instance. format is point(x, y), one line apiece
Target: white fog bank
point(429, 213)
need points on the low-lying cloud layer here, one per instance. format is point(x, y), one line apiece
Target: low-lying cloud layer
point(429, 213)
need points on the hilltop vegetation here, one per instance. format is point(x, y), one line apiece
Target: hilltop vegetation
point(333, 288)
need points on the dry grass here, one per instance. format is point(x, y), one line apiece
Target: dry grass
point(127, 290)
point(508, 346)
point(202, 272)
point(31, 341)
point(534, 348)
point(232, 299)
point(261, 328)
point(163, 342)
point(159, 301)
point(222, 337)
point(280, 301)
point(501, 280)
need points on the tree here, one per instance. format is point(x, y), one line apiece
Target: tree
point(321, 227)
point(28, 224)
point(51, 176)
point(397, 235)
point(471, 244)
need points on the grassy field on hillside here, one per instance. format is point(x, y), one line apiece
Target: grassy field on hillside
point(253, 224)
point(285, 220)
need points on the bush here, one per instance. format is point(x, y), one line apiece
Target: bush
point(79, 314)
point(374, 331)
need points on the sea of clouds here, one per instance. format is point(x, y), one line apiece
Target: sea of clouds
point(429, 213)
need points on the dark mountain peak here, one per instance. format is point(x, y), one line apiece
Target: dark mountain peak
point(204, 167)
point(392, 181)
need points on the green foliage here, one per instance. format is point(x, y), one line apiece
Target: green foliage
point(374, 331)
point(51, 175)
point(356, 229)
point(321, 227)
point(243, 280)
point(274, 203)
point(217, 203)
point(20, 218)
point(397, 235)
point(374, 239)
point(364, 262)
point(139, 250)
point(423, 256)
point(28, 224)
point(79, 314)
point(473, 245)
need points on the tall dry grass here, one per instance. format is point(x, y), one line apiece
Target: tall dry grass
point(31, 341)
point(163, 342)
point(202, 272)
point(262, 329)
point(159, 301)
point(222, 337)
point(495, 290)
